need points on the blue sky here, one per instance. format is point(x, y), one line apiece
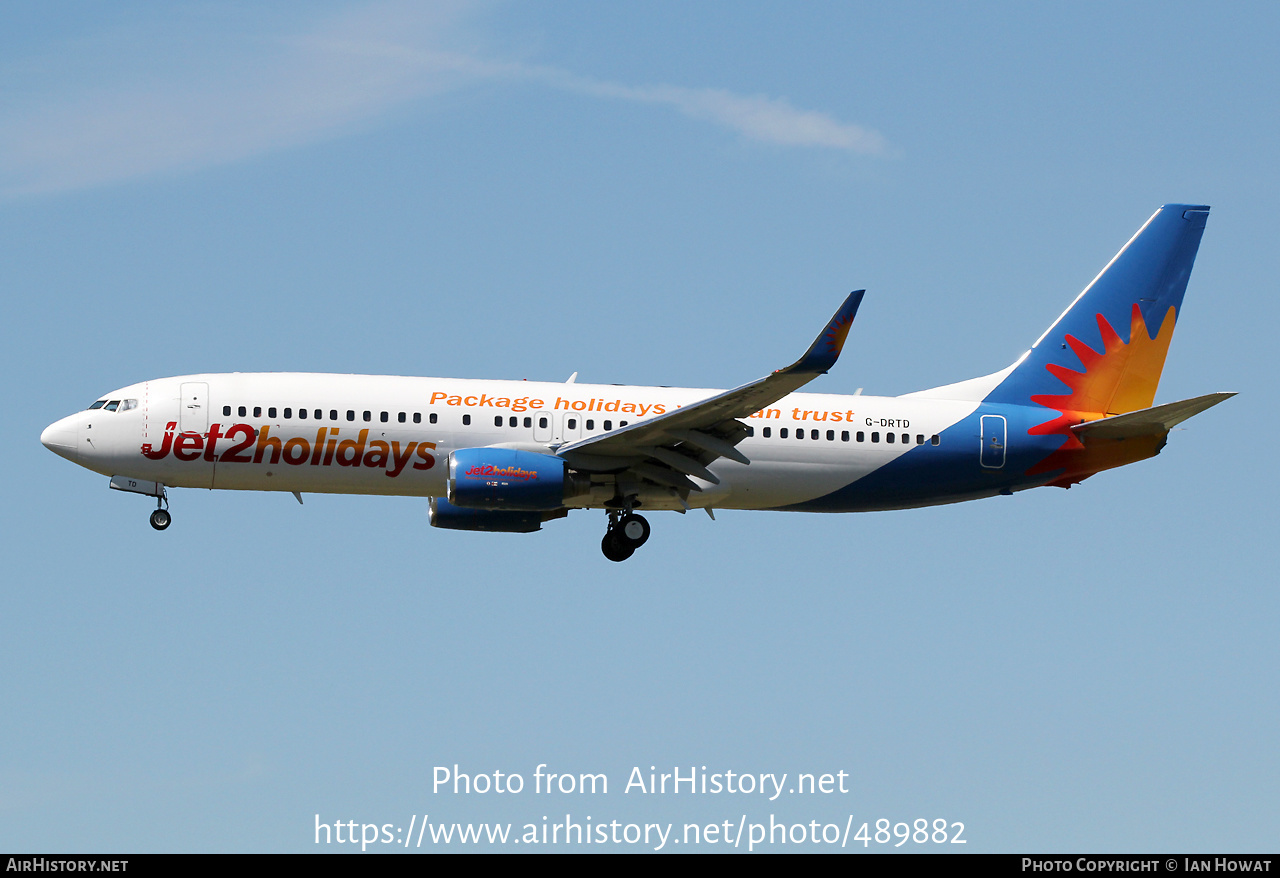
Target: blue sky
point(664, 193)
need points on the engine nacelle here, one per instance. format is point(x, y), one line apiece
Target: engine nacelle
point(444, 514)
point(507, 479)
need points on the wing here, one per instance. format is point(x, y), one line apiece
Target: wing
point(669, 448)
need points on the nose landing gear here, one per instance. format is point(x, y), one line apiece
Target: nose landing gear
point(160, 519)
point(627, 532)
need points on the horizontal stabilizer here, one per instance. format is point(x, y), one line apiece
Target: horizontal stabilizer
point(1147, 422)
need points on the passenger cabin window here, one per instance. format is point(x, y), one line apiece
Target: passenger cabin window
point(831, 435)
point(242, 411)
point(528, 422)
point(935, 439)
point(384, 417)
point(466, 420)
point(288, 413)
point(302, 414)
point(782, 434)
point(767, 431)
point(844, 435)
point(862, 437)
point(888, 437)
point(351, 415)
point(608, 425)
point(513, 421)
point(368, 416)
point(271, 412)
point(226, 411)
point(591, 423)
point(400, 418)
point(542, 423)
point(497, 420)
point(257, 411)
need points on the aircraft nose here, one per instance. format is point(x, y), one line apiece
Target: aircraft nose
point(60, 438)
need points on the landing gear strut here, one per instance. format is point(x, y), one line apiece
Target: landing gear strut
point(627, 532)
point(160, 519)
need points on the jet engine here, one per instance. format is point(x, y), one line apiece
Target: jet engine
point(445, 515)
point(508, 479)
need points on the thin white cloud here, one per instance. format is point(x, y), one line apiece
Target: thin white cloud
point(187, 101)
point(756, 117)
point(193, 95)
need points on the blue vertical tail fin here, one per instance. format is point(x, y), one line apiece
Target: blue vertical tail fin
point(1108, 348)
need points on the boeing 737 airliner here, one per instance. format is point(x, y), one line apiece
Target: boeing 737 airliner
point(510, 455)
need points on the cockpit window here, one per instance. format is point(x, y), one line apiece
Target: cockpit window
point(127, 405)
point(113, 405)
point(97, 405)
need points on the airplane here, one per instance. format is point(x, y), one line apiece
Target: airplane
point(508, 456)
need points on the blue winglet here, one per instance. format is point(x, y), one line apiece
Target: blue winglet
point(825, 350)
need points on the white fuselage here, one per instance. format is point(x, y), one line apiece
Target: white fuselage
point(367, 434)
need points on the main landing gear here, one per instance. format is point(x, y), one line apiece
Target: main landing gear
point(627, 532)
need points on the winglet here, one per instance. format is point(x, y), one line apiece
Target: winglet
point(825, 350)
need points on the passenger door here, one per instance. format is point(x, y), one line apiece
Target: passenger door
point(193, 408)
point(994, 436)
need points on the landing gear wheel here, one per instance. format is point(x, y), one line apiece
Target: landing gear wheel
point(616, 549)
point(633, 530)
point(160, 519)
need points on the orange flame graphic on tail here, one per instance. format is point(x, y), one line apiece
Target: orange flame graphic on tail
point(1120, 378)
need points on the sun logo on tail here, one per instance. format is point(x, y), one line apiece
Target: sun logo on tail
point(1120, 378)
